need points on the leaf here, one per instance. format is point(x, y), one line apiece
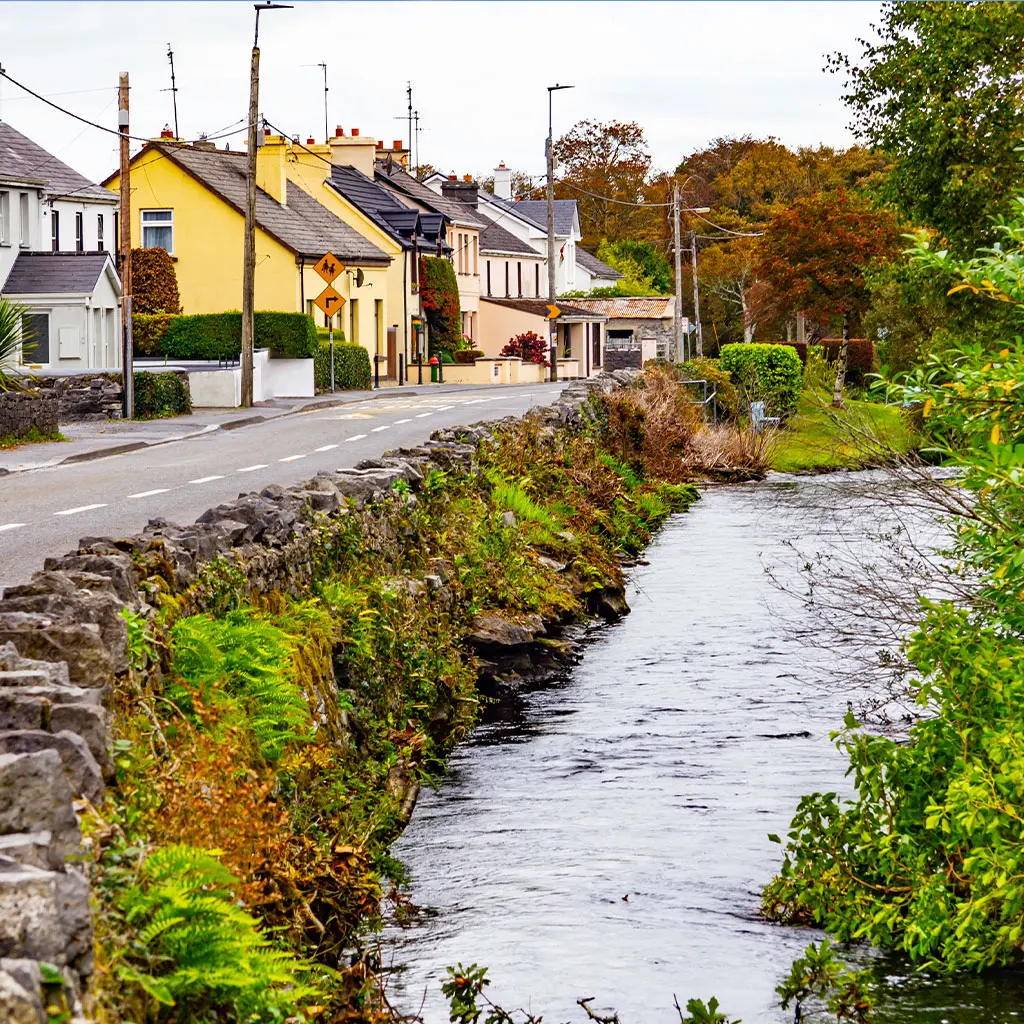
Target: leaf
point(995, 433)
point(928, 407)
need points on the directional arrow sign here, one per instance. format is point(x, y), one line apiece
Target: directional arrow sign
point(329, 301)
point(329, 267)
point(553, 311)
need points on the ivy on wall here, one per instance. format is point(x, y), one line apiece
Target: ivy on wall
point(439, 290)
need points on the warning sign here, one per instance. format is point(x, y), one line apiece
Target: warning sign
point(329, 267)
point(329, 301)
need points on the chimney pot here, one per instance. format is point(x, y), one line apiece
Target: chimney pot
point(310, 142)
point(397, 144)
point(380, 145)
point(467, 177)
point(355, 133)
point(339, 132)
point(166, 133)
point(501, 166)
point(453, 177)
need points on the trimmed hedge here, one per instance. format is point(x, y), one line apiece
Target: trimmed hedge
point(160, 394)
point(154, 282)
point(468, 355)
point(861, 360)
point(351, 367)
point(219, 336)
point(768, 373)
point(147, 330)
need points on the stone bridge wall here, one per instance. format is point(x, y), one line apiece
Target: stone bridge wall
point(64, 648)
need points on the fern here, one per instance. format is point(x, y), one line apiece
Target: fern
point(198, 950)
point(242, 660)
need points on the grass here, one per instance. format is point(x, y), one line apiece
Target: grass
point(819, 438)
point(34, 436)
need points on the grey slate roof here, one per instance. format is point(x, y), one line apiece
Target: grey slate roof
point(22, 159)
point(536, 210)
point(590, 262)
point(539, 307)
point(404, 182)
point(494, 238)
point(304, 225)
point(55, 273)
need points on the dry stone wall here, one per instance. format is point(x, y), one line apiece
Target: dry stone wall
point(20, 411)
point(64, 645)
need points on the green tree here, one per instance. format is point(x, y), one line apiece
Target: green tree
point(940, 92)
point(644, 268)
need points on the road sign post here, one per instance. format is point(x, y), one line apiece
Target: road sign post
point(329, 267)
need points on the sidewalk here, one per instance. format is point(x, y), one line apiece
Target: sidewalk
point(112, 437)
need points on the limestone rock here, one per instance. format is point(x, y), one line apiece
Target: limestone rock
point(31, 848)
point(18, 1004)
point(18, 711)
point(609, 603)
point(35, 797)
point(11, 661)
point(45, 638)
point(89, 722)
point(492, 629)
point(115, 565)
point(80, 768)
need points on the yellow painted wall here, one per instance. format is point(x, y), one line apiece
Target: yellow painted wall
point(499, 324)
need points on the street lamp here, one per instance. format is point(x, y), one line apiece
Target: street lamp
point(550, 152)
point(249, 253)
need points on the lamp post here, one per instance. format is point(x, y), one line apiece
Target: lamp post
point(249, 252)
point(550, 153)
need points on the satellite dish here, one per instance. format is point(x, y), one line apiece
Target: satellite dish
point(360, 277)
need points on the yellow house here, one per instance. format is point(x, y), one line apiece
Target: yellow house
point(189, 200)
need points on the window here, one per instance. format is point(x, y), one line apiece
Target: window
point(476, 255)
point(158, 229)
point(519, 278)
point(117, 231)
point(595, 338)
point(25, 227)
point(353, 333)
point(54, 230)
point(462, 252)
point(488, 277)
point(536, 280)
point(100, 247)
point(506, 280)
point(35, 338)
point(5, 218)
point(414, 274)
point(79, 232)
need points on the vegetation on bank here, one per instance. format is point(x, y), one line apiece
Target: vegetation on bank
point(33, 436)
point(269, 748)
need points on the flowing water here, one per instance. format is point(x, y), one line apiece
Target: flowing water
point(607, 836)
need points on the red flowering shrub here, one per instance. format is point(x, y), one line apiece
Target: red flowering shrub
point(530, 347)
point(440, 291)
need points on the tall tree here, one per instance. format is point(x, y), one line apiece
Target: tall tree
point(814, 254)
point(940, 91)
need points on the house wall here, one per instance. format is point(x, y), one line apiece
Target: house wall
point(498, 324)
point(658, 330)
point(497, 266)
point(11, 245)
point(90, 210)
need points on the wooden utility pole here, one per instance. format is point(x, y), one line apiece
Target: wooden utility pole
point(552, 287)
point(125, 249)
point(696, 296)
point(677, 318)
point(249, 254)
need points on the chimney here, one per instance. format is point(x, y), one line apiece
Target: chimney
point(397, 144)
point(502, 181)
point(355, 133)
point(310, 142)
point(270, 167)
point(166, 132)
point(380, 144)
point(466, 191)
point(354, 151)
point(339, 132)
point(205, 145)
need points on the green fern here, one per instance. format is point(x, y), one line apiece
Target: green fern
point(242, 660)
point(198, 950)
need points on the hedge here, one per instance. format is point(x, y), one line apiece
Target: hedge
point(160, 394)
point(219, 336)
point(147, 330)
point(861, 360)
point(468, 355)
point(768, 373)
point(154, 282)
point(351, 367)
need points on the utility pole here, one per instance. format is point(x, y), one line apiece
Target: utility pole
point(549, 147)
point(327, 132)
point(677, 317)
point(125, 248)
point(249, 250)
point(173, 91)
point(696, 295)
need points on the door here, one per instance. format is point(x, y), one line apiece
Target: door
point(392, 353)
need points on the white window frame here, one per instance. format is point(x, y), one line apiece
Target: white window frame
point(100, 226)
point(25, 228)
point(166, 221)
point(5, 218)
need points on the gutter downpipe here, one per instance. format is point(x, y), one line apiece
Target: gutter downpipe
point(405, 306)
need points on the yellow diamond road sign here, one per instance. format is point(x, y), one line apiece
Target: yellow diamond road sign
point(329, 301)
point(329, 267)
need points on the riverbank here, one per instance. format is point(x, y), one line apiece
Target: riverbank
point(818, 438)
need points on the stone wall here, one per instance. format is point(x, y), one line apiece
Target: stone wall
point(622, 359)
point(21, 411)
point(64, 646)
point(87, 396)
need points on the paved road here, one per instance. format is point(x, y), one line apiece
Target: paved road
point(44, 512)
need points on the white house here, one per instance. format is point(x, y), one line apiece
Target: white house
point(57, 230)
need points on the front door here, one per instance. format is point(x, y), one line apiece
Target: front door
point(392, 353)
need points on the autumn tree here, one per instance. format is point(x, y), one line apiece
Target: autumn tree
point(939, 90)
point(814, 255)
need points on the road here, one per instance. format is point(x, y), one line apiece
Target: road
point(44, 512)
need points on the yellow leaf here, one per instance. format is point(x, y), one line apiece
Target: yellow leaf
point(928, 406)
point(995, 433)
point(962, 287)
point(986, 368)
point(1004, 353)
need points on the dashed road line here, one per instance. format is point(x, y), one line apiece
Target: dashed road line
point(251, 469)
point(206, 479)
point(291, 458)
point(80, 508)
point(377, 430)
point(10, 526)
point(325, 447)
point(355, 437)
point(398, 423)
point(149, 494)
point(420, 415)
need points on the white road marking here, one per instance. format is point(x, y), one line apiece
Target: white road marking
point(10, 526)
point(325, 447)
point(420, 415)
point(81, 508)
point(376, 430)
point(400, 422)
point(355, 437)
point(250, 469)
point(444, 408)
point(291, 458)
point(149, 494)
point(206, 479)
point(477, 401)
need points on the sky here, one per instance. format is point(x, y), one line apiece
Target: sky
point(687, 72)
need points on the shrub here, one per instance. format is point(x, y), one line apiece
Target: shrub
point(767, 373)
point(801, 349)
point(148, 330)
point(726, 397)
point(351, 367)
point(219, 336)
point(160, 394)
point(468, 355)
point(154, 282)
point(439, 289)
point(861, 360)
point(530, 347)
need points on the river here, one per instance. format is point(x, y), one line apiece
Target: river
point(607, 836)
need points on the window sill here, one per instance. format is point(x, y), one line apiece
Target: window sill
point(5, 245)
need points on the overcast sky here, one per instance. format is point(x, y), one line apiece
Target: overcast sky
point(686, 71)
